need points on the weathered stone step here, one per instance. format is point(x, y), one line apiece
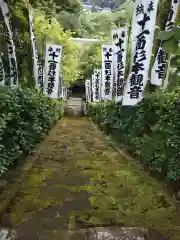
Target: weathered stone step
point(99, 233)
point(7, 234)
point(75, 107)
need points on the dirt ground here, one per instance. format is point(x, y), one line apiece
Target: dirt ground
point(80, 181)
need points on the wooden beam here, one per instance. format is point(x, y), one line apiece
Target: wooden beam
point(86, 40)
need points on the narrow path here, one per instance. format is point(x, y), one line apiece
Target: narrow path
point(79, 181)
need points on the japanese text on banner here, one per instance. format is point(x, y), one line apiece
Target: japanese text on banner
point(158, 69)
point(107, 72)
point(138, 76)
point(119, 39)
point(52, 70)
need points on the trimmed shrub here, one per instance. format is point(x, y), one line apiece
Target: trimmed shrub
point(24, 117)
point(150, 130)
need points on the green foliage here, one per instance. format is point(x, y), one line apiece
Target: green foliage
point(149, 131)
point(25, 116)
point(90, 59)
point(171, 40)
point(53, 32)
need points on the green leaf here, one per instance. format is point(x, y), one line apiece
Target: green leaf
point(171, 46)
point(177, 33)
point(163, 35)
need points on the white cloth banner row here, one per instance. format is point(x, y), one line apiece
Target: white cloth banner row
point(159, 67)
point(13, 71)
point(113, 63)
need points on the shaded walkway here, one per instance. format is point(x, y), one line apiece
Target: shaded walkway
point(79, 181)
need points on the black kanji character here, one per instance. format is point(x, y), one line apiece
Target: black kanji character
point(110, 50)
point(107, 91)
point(51, 73)
point(137, 67)
point(49, 91)
point(142, 23)
point(50, 49)
point(58, 50)
point(119, 43)
point(53, 54)
point(52, 62)
point(123, 34)
point(108, 55)
point(107, 84)
point(120, 66)
point(10, 49)
point(107, 77)
point(119, 55)
point(120, 81)
point(119, 91)
point(52, 65)
point(141, 42)
point(139, 9)
point(97, 75)
point(136, 80)
point(51, 79)
point(14, 75)
point(115, 36)
point(107, 65)
point(108, 71)
point(161, 57)
point(147, 32)
point(13, 62)
point(134, 92)
point(119, 74)
point(150, 7)
point(171, 12)
point(160, 71)
point(140, 56)
point(169, 26)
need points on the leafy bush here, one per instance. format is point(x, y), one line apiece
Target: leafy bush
point(150, 131)
point(24, 116)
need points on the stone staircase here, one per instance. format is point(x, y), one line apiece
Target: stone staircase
point(7, 234)
point(75, 107)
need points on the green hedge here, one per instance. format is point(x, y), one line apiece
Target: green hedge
point(24, 117)
point(150, 131)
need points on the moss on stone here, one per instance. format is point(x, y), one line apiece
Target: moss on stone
point(120, 192)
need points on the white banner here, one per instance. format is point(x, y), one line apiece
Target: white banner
point(40, 73)
point(159, 67)
point(2, 74)
point(34, 48)
point(119, 40)
point(60, 88)
point(107, 72)
point(88, 90)
point(96, 85)
point(139, 7)
point(65, 92)
point(52, 70)
point(138, 76)
point(13, 71)
point(92, 86)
